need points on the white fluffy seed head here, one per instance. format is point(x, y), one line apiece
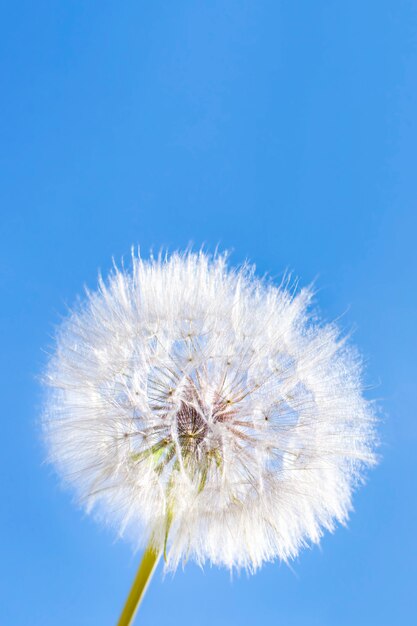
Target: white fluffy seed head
point(208, 410)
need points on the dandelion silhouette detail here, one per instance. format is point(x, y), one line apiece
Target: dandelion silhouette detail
point(207, 413)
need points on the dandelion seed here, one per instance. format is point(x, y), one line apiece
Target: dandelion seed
point(207, 412)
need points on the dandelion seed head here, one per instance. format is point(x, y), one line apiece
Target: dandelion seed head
point(207, 409)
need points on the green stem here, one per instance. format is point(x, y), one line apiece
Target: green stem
point(144, 574)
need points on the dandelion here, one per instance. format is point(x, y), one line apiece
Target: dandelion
point(206, 413)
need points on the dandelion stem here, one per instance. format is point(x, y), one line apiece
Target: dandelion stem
point(146, 568)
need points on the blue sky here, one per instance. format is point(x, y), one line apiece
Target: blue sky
point(285, 131)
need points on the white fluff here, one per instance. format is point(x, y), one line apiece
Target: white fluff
point(208, 410)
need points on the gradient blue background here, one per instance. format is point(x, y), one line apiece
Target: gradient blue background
point(284, 130)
